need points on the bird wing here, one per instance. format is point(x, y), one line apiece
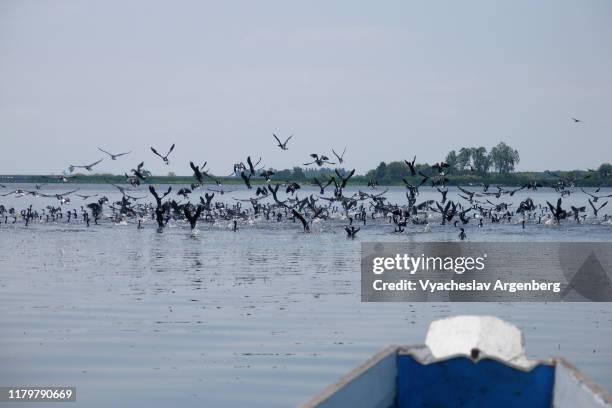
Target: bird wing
point(299, 217)
point(196, 169)
point(345, 180)
point(251, 167)
point(587, 193)
point(171, 149)
point(277, 139)
point(155, 151)
point(246, 179)
point(464, 190)
point(152, 190)
point(592, 206)
point(102, 150)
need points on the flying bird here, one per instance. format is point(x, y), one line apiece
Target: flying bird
point(341, 156)
point(344, 180)
point(302, 219)
point(596, 210)
point(164, 158)
point(282, 145)
point(88, 167)
point(321, 185)
point(319, 160)
point(411, 166)
point(114, 156)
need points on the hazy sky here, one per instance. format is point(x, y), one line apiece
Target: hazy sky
point(389, 79)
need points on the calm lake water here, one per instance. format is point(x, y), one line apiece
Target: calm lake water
point(266, 316)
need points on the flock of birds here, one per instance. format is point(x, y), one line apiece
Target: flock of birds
point(473, 207)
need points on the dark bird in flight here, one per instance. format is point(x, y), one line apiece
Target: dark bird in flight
point(164, 158)
point(440, 167)
point(292, 188)
point(577, 120)
point(322, 186)
point(282, 145)
point(267, 174)
point(184, 192)
point(511, 192)
point(470, 194)
point(319, 160)
point(192, 217)
point(160, 209)
point(302, 219)
point(139, 172)
point(344, 180)
point(252, 167)
point(114, 156)
point(351, 231)
point(557, 212)
point(274, 191)
point(60, 195)
point(261, 191)
point(63, 177)
point(88, 167)
point(424, 179)
point(462, 234)
point(595, 198)
point(414, 190)
point(411, 166)
point(577, 211)
point(86, 197)
point(444, 193)
point(596, 210)
point(341, 156)
point(247, 179)
point(199, 172)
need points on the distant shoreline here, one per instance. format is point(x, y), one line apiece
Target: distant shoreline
point(578, 178)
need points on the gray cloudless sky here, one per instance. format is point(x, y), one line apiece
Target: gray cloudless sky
point(388, 79)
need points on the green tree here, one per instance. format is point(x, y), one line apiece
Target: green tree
point(298, 173)
point(381, 171)
point(481, 160)
point(605, 171)
point(397, 170)
point(504, 158)
point(451, 159)
point(464, 158)
point(284, 174)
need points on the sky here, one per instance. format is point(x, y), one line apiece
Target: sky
point(389, 80)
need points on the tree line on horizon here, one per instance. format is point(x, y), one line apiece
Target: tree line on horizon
point(468, 165)
point(473, 164)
